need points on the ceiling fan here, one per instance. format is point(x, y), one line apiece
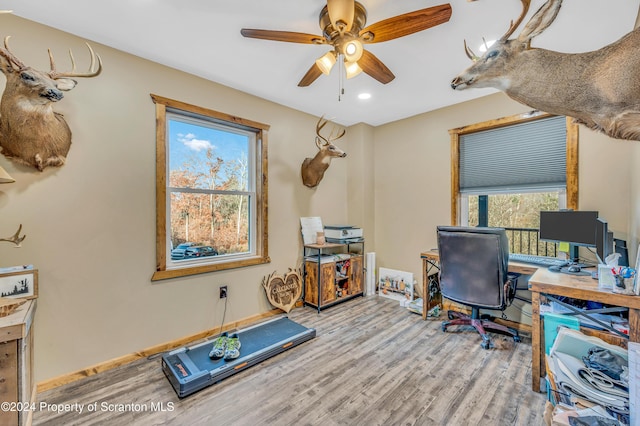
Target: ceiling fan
point(343, 27)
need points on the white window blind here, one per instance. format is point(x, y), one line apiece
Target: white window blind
point(519, 158)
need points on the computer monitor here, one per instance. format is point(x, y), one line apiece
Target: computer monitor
point(604, 240)
point(574, 227)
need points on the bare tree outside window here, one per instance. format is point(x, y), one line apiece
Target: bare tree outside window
point(211, 190)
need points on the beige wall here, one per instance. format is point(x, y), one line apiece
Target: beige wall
point(412, 179)
point(91, 223)
point(360, 182)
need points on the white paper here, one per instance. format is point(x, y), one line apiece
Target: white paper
point(634, 383)
point(637, 283)
point(310, 228)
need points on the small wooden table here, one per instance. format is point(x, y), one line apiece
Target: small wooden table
point(580, 287)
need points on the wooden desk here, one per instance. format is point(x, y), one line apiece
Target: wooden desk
point(577, 287)
point(430, 261)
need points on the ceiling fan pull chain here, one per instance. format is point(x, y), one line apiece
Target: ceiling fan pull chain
point(340, 78)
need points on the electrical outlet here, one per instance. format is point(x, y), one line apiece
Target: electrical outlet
point(223, 292)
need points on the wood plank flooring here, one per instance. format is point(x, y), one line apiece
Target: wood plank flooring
point(372, 363)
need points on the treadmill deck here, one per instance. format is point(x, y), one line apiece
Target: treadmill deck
point(190, 369)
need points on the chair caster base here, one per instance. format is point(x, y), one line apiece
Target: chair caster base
point(486, 344)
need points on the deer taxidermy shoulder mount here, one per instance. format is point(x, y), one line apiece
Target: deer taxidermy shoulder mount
point(31, 132)
point(313, 168)
point(599, 89)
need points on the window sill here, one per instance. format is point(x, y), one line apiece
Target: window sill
point(201, 269)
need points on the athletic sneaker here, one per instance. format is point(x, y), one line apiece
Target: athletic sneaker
point(219, 346)
point(233, 347)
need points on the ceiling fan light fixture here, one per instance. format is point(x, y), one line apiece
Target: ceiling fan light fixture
point(326, 62)
point(341, 13)
point(486, 45)
point(352, 50)
point(352, 69)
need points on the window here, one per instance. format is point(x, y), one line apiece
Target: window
point(211, 190)
point(505, 171)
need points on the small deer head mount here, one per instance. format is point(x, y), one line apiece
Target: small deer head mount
point(313, 168)
point(599, 89)
point(31, 132)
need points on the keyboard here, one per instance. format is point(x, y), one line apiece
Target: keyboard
point(536, 260)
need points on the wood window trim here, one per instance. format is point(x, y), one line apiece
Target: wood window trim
point(572, 155)
point(262, 240)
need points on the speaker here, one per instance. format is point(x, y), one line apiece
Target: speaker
point(621, 247)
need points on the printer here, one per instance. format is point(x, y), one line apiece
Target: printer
point(342, 234)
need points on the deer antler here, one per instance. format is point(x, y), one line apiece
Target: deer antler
point(513, 26)
point(15, 238)
point(505, 37)
point(470, 53)
point(327, 141)
point(6, 52)
point(54, 74)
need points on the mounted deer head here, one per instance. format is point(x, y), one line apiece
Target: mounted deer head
point(599, 89)
point(31, 132)
point(313, 168)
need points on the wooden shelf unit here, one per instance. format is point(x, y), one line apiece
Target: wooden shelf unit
point(333, 273)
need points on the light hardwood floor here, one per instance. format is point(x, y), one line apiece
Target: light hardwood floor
point(371, 363)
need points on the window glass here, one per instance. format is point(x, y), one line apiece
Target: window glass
point(531, 185)
point(518, 213)
point(209, 187)
point(211, 196)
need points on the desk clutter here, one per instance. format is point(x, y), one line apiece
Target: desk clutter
point(619, 279)
point(590, 378)
point(622, 280)
point(590, 316)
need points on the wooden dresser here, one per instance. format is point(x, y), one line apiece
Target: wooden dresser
point(17, 387)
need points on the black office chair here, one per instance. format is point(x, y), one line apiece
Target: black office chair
point(473, 272)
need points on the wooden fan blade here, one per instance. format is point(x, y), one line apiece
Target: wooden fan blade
point(341, 10)
point(311, 76)
point(283, 36)
point(408, 23)
point(375, 68)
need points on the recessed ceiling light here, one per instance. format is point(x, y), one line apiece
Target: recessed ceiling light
point(483, 47)
point(364, 96)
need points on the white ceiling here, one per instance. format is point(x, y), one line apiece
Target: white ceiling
point(202, 37)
